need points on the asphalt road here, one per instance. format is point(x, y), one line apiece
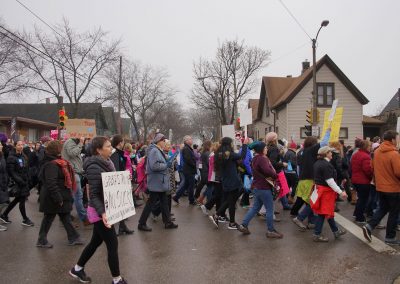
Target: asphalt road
point(196, 252)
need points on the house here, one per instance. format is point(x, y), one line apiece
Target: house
point(284, 101)
point(37, 120)
point(253, 104)
point(390, 113)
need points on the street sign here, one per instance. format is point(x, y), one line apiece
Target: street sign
point(315, 131)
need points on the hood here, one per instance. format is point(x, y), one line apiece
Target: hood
point(107, 165)
point(152, 146)
point(386, 146)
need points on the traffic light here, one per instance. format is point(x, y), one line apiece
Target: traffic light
point(308, 130)
point(309, 116)
point(62, 117)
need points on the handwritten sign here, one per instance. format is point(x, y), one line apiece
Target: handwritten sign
point(228, 131)
point(77, 128)
point(118, 200)
point(335, 126)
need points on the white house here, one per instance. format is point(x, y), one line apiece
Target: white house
point(284, 100)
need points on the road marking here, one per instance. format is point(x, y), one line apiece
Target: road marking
point(376, 243)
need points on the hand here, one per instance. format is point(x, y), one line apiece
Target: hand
point(104, 217)
point(285, 164)
point(343, 195)
point(343, 182)
point(82, 140)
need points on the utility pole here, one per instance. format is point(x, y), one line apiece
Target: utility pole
point(60, 102)
point(119, 124)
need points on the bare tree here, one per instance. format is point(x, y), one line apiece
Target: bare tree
point(69, 62)
point(223, 82)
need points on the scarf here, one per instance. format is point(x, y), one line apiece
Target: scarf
point(68, 172)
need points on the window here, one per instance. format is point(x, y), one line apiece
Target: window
point(326, 94)
point(32, 135)
point(344, 133)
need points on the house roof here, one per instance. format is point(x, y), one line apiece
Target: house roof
point(28, 120)
point(371, 120)
point(393, 104)
point(281, 90)
point(253, 104)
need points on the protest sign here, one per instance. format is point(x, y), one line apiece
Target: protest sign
point(336, 123)
point(118, 200)
point(77, 128)
point(228, 131)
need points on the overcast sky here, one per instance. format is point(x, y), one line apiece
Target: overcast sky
point(363, 37)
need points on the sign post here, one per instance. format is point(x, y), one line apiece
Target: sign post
point(118, 200)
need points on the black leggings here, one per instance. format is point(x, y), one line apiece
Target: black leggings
point(21, 200)
point(102, 233)
point(216, 198)
point(297, 206)
point(230, 201)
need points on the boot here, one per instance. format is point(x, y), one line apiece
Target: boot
point(353, 197)
point(123, 229)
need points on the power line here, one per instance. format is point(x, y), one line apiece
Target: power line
point(294, 18)
point(71, 71)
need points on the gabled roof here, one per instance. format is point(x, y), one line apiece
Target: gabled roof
point(371, 120)
point(281, 90)
point(393, 104)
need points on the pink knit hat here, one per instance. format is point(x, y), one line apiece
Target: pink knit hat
point(271, 136)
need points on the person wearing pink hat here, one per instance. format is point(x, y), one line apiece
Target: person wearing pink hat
point(290, 158)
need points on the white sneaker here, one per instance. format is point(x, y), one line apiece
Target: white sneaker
point(204, 210)
point(3, 228)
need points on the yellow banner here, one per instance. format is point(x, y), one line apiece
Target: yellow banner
point(336, 123)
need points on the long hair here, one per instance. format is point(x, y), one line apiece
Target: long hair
point(223, 153)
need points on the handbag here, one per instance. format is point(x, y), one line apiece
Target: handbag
point(12, 189)
point(93, 217)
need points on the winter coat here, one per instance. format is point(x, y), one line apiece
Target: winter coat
point(205, 156)
point(128, 165)
point(72, 153)
point(262, 169)
point(3, 173)
point(361, 167)
point(17, 168)
point(247, 159)
point(119, 160)
point(275, 157)
point(189, 160)
point(229, 175)
point(158, 178)
point(53, 191)
point(94, 166)
point(386, 166)
point(290, 156)
point(337, 163)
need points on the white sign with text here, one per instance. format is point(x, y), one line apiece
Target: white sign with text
point(118, 200)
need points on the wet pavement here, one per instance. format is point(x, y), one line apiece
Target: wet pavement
point(196, 252)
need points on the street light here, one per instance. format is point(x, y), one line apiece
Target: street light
point(315, 95)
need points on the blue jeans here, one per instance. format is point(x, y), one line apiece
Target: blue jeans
point(78, 199)
point(189, 186)
point(284, 202)
point(319, 223)
point(306, 212)
point(261, 197)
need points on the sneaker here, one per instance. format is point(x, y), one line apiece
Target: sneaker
point(198, 203)
point(243, 229)
point(154, 218)
point(27, 223)
point(214, 220)
point(171, 225)
point(44, 245)
point(367, 233)
point(274, 234)
point(144, 228)
point(380, 227)
point(276, 219)
point(80, 275)
point(392, 242)
point(4, 219)
point(233, 226)
point(204, 210)
point(222, 219)
point(3, 228)
point(320, 239)
point(339, 233)
point(299, 224)
point(310, 226)
point(121, 281)
point(361, 223)
point(286, 208)
point(77, 242)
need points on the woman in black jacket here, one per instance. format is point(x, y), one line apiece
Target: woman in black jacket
point(57, 179)
point(102, 231)
point(17, 168)
point(3, 184)
point(205, 155)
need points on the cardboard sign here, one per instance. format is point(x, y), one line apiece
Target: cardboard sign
point(335, 126)
point(246, 117)
point(77, 128)
point(228, 131)
point(118, 200)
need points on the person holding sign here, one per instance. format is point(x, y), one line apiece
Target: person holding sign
point(158, 183)
point(102, 231)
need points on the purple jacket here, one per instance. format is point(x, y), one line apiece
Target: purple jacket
point(262, 168)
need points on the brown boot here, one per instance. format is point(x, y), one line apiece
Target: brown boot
point(353, 197)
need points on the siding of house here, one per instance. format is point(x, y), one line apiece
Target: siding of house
point(281, 123)
point(352, 109)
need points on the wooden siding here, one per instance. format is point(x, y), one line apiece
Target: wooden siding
point(352, 112)
point(281, 123)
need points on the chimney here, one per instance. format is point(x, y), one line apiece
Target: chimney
point(289, 76)
point(47, 101)
point(306, 65)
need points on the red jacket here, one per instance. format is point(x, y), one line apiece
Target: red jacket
point(361, 167)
